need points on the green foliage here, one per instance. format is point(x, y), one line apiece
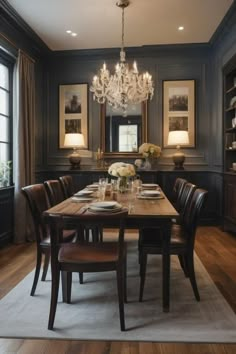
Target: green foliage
point(5, 173)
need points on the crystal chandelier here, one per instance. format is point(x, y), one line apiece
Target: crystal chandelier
point(125, 85)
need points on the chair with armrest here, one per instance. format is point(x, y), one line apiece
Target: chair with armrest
point(67, 185)
point(38, 202)
point(181, 242)
point(87, 257)
point(54, 191)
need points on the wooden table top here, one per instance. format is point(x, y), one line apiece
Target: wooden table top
point(156, 208)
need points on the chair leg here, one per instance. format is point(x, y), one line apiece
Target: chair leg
point(125, 279)
point(191, 272)
point(66, 280)
point(81, 278)
point(37, 271)
point(86, 231)
point(68, 286)
point(120, 289)
point(143, 265)
point(45, 266)
point(182, 262)
point(100, 233)
point(54, 298)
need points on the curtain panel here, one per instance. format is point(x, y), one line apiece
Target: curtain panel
point(23, 143)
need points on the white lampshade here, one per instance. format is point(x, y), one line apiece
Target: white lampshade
point(178, 137)
point(74, 140)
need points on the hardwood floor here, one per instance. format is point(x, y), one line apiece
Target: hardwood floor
point(217, 251)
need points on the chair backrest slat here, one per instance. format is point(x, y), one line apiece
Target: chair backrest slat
point(67, 185)
point(193, 212)
point(54, 191)
point(185, 196)
point(38, 202)
point(178, 188)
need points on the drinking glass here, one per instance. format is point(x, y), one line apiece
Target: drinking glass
point(114, 189)
point(103, 180)
point(137, 185)
point(131, 195)
point(101, 192)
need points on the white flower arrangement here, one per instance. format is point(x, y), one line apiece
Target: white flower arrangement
point(121, 169)
point(149, 150)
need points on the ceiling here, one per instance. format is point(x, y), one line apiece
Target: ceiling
point(98, 22)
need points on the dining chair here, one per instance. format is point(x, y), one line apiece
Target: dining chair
point(38, 202)
point(184, 198)
point(54, 191)
point(67, 185)
point(181, 241)
point(177, 189)
point(87, 257)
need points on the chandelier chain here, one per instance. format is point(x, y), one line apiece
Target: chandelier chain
point(123, 29)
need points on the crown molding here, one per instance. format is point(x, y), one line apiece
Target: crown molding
point(12, 20)
point(228, 21)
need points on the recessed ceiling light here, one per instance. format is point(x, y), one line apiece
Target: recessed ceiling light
point(68, 31)
point(74, 34)
point(181, 28)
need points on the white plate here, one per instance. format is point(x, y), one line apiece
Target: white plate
point(149, 185)
point(106, 205)
point(146, 197)
point(150, 193)
point(92, 186)
point(81, 199)
point(105, 210)
point(83, 192)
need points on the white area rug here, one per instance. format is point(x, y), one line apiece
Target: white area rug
point(93, 313)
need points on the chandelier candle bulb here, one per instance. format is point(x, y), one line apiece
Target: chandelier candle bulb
point(135, 67)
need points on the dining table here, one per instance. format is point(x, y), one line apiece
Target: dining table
point(143, 213)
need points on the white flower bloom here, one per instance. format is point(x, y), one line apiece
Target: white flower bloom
point(121, 169)
point(150, 150)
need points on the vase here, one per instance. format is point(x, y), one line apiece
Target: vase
point(123, 183)
point(150, 163)
point(147, 164)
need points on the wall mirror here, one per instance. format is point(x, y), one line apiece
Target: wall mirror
point(121, 136)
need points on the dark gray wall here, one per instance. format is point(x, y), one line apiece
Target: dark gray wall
point(202, 63)
point(164, 63)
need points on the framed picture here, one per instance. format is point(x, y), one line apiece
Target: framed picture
point(179, 109)
point(73, 111)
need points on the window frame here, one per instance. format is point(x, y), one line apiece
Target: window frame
point(9, 61)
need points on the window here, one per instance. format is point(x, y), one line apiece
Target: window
point(6, 86)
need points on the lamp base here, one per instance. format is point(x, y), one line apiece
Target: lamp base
point(179, 159)
point(75, 159)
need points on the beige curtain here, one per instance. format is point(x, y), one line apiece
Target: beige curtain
point(23, 143)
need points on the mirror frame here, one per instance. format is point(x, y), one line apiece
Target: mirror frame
point(102, 134)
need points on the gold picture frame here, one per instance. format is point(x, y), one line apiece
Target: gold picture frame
point(73, 112)
point(179, 109)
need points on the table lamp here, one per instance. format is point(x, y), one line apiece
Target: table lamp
point(74, 140)
point(178, 138)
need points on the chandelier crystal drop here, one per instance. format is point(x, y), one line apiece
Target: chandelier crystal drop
point(124, 86)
